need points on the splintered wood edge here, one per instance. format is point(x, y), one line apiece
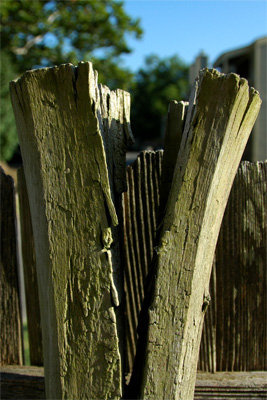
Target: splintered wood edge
point(225, 156)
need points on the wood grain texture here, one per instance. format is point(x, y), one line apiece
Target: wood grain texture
point(73, 137)
point(173, 136)
point(10, 315)
point(140, 208)
point(68, 128)
point(207, 359)
point(28, 383)
point(241, 257)
point(234, 385)
point(30, 276)
point(221, 114)
point(22, 383)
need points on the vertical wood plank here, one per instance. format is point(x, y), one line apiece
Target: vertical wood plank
point(207, 352)
point(10, 314)
point(140, 204)
point(242, 275)
point(73, 135)
point(30, 276)
point(219, 121)
point(173, 136)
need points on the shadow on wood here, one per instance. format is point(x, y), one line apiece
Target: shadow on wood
point(10, 314)
point(73, 135)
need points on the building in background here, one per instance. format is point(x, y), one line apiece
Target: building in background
point(201, 62)
point(249, 62)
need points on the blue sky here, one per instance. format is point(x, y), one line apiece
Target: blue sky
point(185, 27)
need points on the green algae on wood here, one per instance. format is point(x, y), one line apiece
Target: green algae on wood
point(221, 113)
point(10, 313)
point(67, 137)
point(29, 271)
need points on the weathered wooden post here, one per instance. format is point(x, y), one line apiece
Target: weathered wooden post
point(73, 136)
point(10, 314)
point(221, 114)
point(241, 273)
point(30, 276)
point(234, 330)
point(140, 204)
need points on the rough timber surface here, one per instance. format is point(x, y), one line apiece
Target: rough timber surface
point(24, 382)
point(241, 273)
point(30, 277)
point(140, 205)
point(234, 321)
point(231, 385)
point(28, 383)
point(10, 316)
point(69, 128)
point(219, 120)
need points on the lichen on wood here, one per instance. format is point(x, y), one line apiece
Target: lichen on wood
point(10, 314)
point(241, 256)
point(68, 136)
point(221, 114)
point(73, 136)
point(29, 271)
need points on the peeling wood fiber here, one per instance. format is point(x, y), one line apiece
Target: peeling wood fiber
point(221, 113)
point(30, 276)
point(11, 351)
point(69, 128)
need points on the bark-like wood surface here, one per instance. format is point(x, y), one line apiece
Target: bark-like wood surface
point(30, 276)
point(140, 209)
point(241, 273)
point(73, 136)
point(221, 114)
point(10, 315)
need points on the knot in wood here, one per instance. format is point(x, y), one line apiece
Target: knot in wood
point(107, 238)
point(206, 302)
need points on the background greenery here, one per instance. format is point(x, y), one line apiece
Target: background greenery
point(44, 33)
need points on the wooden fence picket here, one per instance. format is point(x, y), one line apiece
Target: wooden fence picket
point(233, 337)
point(172, 315)
point(30, 276)
point(11, 351)
point(250, 183)
point(140, 207)
point(241, 274)
point(73, 134)
point(207, 359)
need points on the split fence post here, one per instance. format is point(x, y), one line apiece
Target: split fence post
point(73, 136)
point(222, 111)
point(10, 313)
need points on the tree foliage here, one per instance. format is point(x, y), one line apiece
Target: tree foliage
point(159, 82)
point(8, 132)
point(46, 33)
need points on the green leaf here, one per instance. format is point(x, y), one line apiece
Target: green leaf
point(8, 133)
